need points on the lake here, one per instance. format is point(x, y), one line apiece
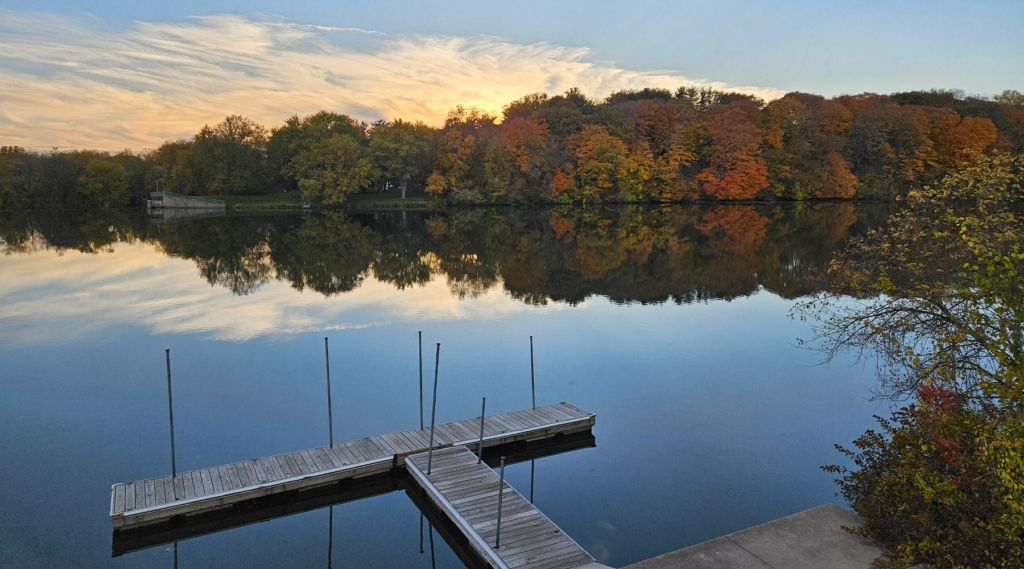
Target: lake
point(672, 324)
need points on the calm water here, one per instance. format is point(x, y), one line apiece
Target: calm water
point(671, 324)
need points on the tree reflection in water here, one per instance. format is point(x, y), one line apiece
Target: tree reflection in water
point(628, 254)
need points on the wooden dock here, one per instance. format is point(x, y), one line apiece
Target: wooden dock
point(158, 499)
point(467, 493)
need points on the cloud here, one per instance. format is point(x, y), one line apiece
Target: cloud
point(48, 296)
point(72, 82)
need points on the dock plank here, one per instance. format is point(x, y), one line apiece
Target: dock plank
point(340, 455)
point(119, 498)
point(179, 488)
point(398, 443)
point(140, 494)
point(158, 492)
point(169, 492)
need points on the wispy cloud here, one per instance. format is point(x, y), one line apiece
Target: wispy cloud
point(72, 82)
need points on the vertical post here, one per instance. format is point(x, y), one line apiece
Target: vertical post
point(170, 409)
point(533, 385)
point(433, 410)
point(480, 445)
point(501, 492)
point(330, 420)
point(421, 533)
point(420, 334)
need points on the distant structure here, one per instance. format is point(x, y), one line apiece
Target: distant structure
point(165, 206)
point(167, 200)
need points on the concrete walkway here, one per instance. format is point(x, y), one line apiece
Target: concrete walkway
point(812, 539)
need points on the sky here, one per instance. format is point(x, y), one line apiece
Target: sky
point(115, 74)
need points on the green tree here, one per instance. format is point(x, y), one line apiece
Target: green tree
point(403, 151)
point(330, 156)
point(228, 158)
point(164, 162)
point(103, 183)
point(329, 170)
point(13, 185)
point(1010, 97)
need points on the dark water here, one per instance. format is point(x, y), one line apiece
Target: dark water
point(671, 324)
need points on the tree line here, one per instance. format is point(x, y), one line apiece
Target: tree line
point(635, 145)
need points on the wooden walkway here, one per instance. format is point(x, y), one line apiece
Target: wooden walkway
point(467, 493)
point(157, 499)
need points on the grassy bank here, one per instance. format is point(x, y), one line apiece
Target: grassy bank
point(278, 201)
point(362, 202)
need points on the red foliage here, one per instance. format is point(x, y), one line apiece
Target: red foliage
point(734, 173)
point(560, 183)
point(836, 180)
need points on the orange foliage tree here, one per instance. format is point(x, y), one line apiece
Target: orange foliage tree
point(601, 161)
point(734, 171)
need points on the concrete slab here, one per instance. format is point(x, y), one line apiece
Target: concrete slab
point(812, 539)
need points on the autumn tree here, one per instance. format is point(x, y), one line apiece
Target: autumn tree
point(806, 135)
point(463, 146)
point(887, 147)
point(602, 161)
point(967, 141)
point(527, 142)
point(735, 171)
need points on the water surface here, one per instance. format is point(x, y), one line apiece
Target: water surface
point(672, 324)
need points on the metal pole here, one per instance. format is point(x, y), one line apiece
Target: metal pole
point(420, 334)
point(330, 420)
point(501, 492)
point(533, 384)
point(421, 533)
point(433, 409)
point(170, 408)
point(480, 445)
